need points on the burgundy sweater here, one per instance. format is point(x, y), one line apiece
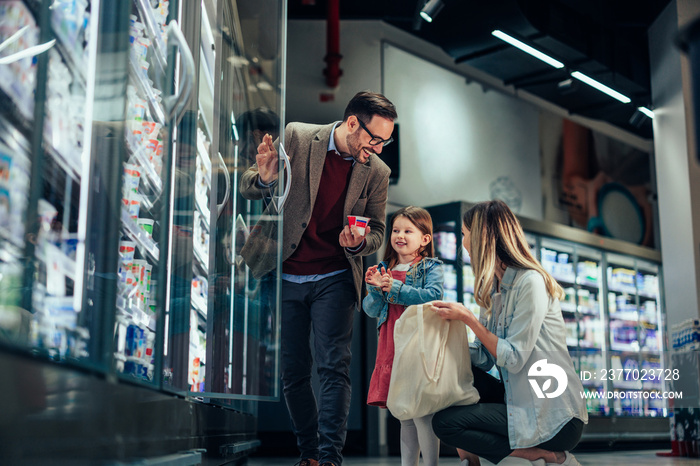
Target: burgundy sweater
point(319, 251)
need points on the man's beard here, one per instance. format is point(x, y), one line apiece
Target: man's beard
point(355, 148)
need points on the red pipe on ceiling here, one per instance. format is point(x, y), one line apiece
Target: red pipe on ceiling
point(333, 56)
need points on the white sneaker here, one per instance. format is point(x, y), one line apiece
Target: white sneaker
point(570, 460)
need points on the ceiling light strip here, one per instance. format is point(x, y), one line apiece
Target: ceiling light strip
point(527, 49)
point(601, 87)
point(646, 111)
point(575, 74)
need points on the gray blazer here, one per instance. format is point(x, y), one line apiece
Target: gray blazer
point(307, 146)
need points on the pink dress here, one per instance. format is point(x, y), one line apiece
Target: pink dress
point(379, 383)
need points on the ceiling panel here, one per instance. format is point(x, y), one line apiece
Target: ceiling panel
point(605, 39)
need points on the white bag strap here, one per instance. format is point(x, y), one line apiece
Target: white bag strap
point(444, 330)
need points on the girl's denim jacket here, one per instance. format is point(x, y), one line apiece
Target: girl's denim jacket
point(423, 284)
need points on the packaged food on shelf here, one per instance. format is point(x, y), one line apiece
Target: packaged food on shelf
point(18, 79)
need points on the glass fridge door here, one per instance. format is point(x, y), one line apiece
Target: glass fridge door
point(578, 270)
point(557, 258)
point(636, 325)
point(17, 91)
point(592, 345)
point(223, 340)
point(653, 370)
point(159, 83)
point(44, 139)
point(14, 194)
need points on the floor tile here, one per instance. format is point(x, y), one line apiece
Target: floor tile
point(628, 458)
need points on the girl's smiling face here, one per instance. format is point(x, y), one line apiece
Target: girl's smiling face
point(407, 240)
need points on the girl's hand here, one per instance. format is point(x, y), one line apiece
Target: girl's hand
point(454, 311)
point(387, 280)
point(373, 277)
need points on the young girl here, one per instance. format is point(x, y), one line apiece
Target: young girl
point(409, 274)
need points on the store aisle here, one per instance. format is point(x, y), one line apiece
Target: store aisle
point(636, 458)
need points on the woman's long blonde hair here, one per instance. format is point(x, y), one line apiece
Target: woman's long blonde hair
point(496, 233)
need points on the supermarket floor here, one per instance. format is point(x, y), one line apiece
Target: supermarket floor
point(629, 458)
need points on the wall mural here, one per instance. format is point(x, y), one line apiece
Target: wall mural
point(597, 183)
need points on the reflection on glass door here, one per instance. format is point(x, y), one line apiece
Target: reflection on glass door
point(222, 329)
point(150, 204)
point(251, 96)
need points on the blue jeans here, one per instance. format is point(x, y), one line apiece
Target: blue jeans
point(326, 306)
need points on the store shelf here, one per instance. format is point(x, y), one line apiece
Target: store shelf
point(593, 285)
point(73, 62)
point(53, 257)
point(629, 316)
point(12, 116)
point(200, 305)
point(70, 166)
point(144, 87)
point(135, 315)
point(568, 307)
point(201, 259)
point(10, 245)
point(139, 153)
point(140, 237)
point(203, 211)
point(154, 34)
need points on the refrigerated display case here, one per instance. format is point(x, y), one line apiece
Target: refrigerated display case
point(44, 122)
point(612, 310)
point(120, 226)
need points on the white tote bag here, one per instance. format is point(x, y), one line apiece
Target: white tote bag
point(432, 368)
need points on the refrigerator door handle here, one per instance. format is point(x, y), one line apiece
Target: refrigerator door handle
point(30, 52)
point(227, 176)
point(279, 202)
point(175, 104)
point(13, 38)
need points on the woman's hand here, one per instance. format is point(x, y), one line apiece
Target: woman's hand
point(458, 311)
point(454, 311)
point(374, 276)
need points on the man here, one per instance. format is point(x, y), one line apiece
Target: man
point(335, 172)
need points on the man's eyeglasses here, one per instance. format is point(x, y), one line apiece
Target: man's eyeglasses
point(375, 141)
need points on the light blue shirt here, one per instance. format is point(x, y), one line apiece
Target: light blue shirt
point(530, 328)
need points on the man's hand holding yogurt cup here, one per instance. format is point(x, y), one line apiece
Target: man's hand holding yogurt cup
point(355, 231)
